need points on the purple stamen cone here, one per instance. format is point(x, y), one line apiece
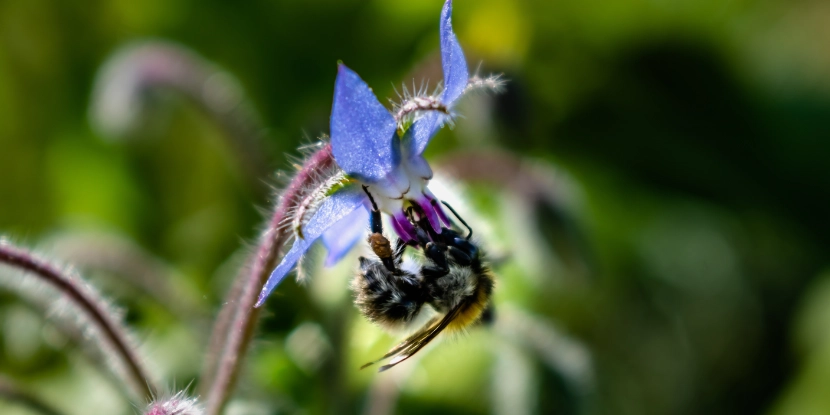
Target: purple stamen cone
point(403, 228)
point(429, 211)
point(436, 205)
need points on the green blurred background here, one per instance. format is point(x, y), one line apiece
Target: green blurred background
point(681, 269)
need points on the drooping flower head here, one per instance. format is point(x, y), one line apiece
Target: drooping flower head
point(376, 149)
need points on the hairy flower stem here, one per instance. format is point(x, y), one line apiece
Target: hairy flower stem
point(218, 381)
point(119, 257)
point(164, 66)
point(68, 286)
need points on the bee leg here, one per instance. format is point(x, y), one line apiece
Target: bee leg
point(375, 220)
point(383, 249)
point(440, 266)
point(460, 257)
point(430, 272)
point(380, 245)
point(465, 246)
point(421, 222)
point(422, 236)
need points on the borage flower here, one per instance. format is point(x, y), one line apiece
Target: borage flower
point(376, 149)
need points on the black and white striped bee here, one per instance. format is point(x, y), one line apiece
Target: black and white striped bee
point(453, 280)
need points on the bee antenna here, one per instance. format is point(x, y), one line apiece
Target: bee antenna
point(469, 235)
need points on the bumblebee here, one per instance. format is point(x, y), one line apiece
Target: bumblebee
point(453, 280)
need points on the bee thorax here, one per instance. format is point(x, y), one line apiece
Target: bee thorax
point(451, 289)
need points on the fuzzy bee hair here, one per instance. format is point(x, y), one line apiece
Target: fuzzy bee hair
point(461, 297)
point(466, 287)
point(389, 298)
point(452, 279)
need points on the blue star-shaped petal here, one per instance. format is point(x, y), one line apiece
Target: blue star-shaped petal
point(456, 76)
point(363, 132)
point(366, 146)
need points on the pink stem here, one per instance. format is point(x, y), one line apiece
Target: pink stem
point(15, 257)
point(244, 318)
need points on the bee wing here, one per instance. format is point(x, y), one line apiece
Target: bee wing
point(415, 337)
point(417, 341)
point(409, 348)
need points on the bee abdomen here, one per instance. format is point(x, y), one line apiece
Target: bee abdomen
point(385, 297)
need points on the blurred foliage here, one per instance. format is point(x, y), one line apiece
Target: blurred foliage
point(694, 135)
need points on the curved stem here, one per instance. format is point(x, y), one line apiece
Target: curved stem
point(125, 80)
point(85, 301)
point(119, 257)
point(238, 317)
